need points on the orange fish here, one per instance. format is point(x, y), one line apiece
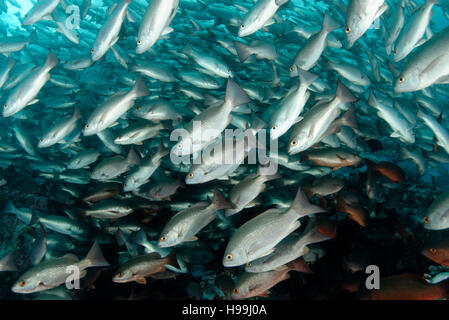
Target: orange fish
point(438, 252)
point(326, 226)
point(387, 169)
point(355, 211)
point(407, 287)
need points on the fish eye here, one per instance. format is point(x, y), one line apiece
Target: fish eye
point(127, 208)
point(426, 220)
point(273, 128)
point(229, 257)
point(92, 50)
point(5, 106)
point(139, 42)
point(179, 146)
point(395, 51)
point(249, 264)
point(242, 26)
point(119, 275)
point(291, 69)
point(163, 238)
point(401, 79)
point(348, 29)
point(137, 108)
point(235, 291)
point(86, 126)
point(293, 143)
point(433, 250)
point(190, 175)
point(22, 283)
point(125, 184)
point(41, 140)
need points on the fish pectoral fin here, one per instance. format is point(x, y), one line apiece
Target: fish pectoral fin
point(194, 238)
point(421, 42)
point(172, 268)
point(299, 119)
point(269, 23)
point(141, 281)
point(265, 294)
point(114, 41)
point(268, 252)
point(395, 134)
point(443, 80)
point(167, 30)
point(33, 102)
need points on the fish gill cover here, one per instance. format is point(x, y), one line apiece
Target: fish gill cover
point(198, 149)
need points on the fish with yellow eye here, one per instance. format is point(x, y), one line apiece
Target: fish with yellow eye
point(437, 215)
point(138, 268)
point(438, 252)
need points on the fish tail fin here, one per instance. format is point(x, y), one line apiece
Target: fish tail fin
point(95, 257)
point(162, 151)
point(372, 101)
point(344, 94)
point(8, 263)
point(141, 238)
point(52, 60)
point(313, 235)
point(188, 50)
point(140, 89)
point(243, 50)
point(420, 114)
point(349, 119)
point(301, 206)
point(172, 262)
point(220, 202)
point(10, 207)
point(235, 95)
point(329, 23)
point(431, 2)
point(33, 37)
point(132, 158)
point(257, 123)
point(11, 63)
point(403, 153)
point(306, 78)
point(76, 113)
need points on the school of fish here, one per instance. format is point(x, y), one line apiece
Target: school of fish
point(343, 102)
